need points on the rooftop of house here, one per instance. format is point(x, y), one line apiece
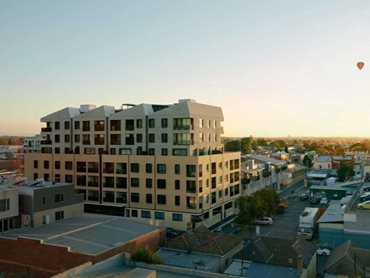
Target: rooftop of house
point(266, 159)
point(332, 214)
point(188, 259)
point(281, 252)
point(323, 158)
point(90, 234)
point(203, 240)
point(345, 257)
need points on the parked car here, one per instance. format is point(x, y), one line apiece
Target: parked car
point(324, 201)
point(314, 200)
point(365, 197)
point(263, 220)
point(366, 188)
point(279, 210)
point(322, 251)
point(303, 197)
point(364, 205)
point(283, 203)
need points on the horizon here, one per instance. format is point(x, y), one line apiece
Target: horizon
point(276, 69)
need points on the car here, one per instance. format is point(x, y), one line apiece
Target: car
point(283, 203)
point(322, 251)
point(303, 197)
point(264, 220)
point(279, 210)
point(365, 197)
point(324, 201)
point(314, 200)
point(366, 189)
point(364, 205)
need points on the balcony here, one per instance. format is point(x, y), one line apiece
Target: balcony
point(183, 142)
point(46, 129)
point(46, 142)
point(191, 206)
point(183, 127)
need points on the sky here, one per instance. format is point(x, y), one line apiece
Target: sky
point(277, 67)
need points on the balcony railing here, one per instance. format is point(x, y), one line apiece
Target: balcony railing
point(46, 129)
point(183, 127)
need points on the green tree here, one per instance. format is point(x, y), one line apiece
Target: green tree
point(345, 172)
point(307, 161)
point(146, 256)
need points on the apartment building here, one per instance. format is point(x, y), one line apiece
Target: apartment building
point(9, 212)
point(162, 164)
point(32, 144)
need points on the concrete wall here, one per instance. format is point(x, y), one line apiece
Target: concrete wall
point(69, 211)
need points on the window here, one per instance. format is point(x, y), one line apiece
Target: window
point(148, 168)
point(77, 125)
point(159, 215)
point(130, 125)
point(115, 139)
point(161, 184)
point(135, 167)
point(59, 215)
point(183, 138)
point(161, 168)
point(86, 126)
point(134, 213)
point(191, 186)
point(35, 176)
point(135, 197)
point(130, 139)
point(177, 184)
point(99, 139)
point(139, 123)
point(164, 123)
point(149, 198)
point(177, 200)
point(57, 150)
point(179, 152)
point(68, 178)
point(66, 125)
point(57, 125)
point(86, 139)
point(177, 169)
point(135, 182)
point(164, 152)
point(151, 123)
point(151, 151)
point(4, 204)
point(57, 138)
point(121, 197)
point(57, 164)
point(145, 214)
point(35, 164)
point(164, 137)
point(108, 196)
point(191, 170)
point(121, 182)
point(58, 198)
point(177, 217)
point(151, 138)
point(115, 125)
point(161, 199)
point(77, 138)
point(149, 183)
point(121, 168)
point(67, 138)
point(139, 138)
point(46, 164)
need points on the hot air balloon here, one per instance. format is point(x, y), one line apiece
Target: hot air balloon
point(360, 65)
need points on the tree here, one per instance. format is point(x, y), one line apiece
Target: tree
point(286, 149)
point(146, 256)
point(307, 161)
point(344, 172)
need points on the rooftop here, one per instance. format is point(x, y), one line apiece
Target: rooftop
point(323, 158)
point(332, 214)
point(89, 234)
point(266, 159)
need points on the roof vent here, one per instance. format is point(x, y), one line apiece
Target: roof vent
point(87, 107)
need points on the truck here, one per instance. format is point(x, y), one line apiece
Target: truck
point(308, 222)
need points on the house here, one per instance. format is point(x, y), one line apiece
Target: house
point(47, 250)
point(349, 261)
point(322, 162)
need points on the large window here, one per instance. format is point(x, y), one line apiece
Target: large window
point(164, 137)
point(135, 182)
point(164, 123)
point(182, 123)
point(161, 199)
point(135, 197)
point(99, 125)
point(191, 170)
point(191, 186)
point(58, 198)
point(161, 184)
point(176, 216)
point(4, 205)
point(149, 198)
point(145, 214)
point(151, 123)
point(86, 126)
point(183, 138)
point(135, 167)
point(99, 139)
point(115, 125)
point(115, 139)
point(161, 168)
point(59, 215)
point(159, 215)
point(130, 125)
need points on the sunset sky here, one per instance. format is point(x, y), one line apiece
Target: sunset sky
point(276, 67)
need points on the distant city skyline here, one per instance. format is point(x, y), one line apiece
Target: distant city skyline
point(276, 68)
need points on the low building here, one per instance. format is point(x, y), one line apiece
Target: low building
point(292, 174)
point(218, 248)
point(345, 159)
point(9, 211)
point(323, 162)
point(45, 202)
point(32, 144)
point(317, 177)
point(335, 191)
point(349, 261)
point(84, 239)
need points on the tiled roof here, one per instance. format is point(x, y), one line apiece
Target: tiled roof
point(203, 240)
point(344, 257)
